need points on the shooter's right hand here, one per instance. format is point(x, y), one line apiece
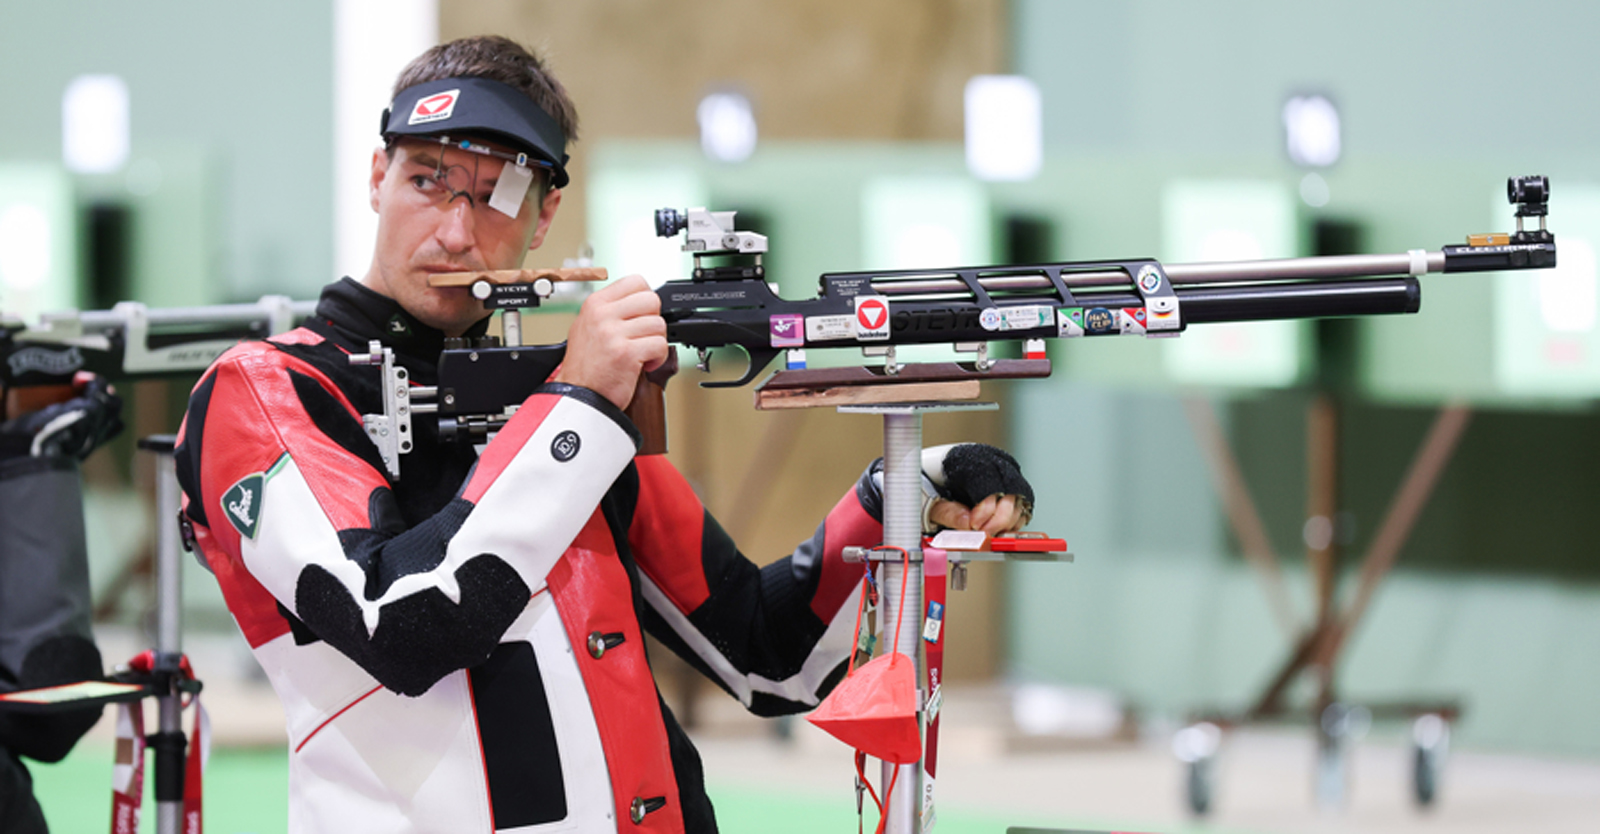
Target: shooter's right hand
point(619, 332)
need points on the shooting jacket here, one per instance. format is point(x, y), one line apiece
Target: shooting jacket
point(461, 648)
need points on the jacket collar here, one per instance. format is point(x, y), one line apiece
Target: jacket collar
point(356, 315)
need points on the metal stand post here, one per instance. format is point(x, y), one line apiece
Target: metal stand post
point(168, 742)
point(902, 528)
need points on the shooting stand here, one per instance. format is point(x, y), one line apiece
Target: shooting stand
point(1317, 647)
point(167, 679)
point(902, 398)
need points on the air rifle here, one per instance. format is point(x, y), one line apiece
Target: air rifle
point(728, 302)
point(131, 341)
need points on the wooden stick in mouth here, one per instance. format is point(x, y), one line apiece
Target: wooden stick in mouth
point(516, 276)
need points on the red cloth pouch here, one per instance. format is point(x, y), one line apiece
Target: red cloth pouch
point(874, 710)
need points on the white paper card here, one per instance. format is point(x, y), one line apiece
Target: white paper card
point(511, 189)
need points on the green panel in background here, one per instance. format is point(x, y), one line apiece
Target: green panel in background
point(38, 240)
point(177, 257)
point(622, 205)
point(923, 222)
point(1232, 220)
point(1546, 343)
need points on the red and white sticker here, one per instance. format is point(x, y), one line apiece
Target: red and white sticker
point(872, 318)
point(1131, 321)
point(434, 108)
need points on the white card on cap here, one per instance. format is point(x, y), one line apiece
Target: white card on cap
point(511, 189)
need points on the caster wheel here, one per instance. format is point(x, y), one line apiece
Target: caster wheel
point(1196, 746)
point(1199, 785)
point(1430, 743)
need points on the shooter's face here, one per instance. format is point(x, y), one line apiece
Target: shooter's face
point(434, 216)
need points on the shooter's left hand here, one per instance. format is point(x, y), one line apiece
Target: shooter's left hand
point(975, 487)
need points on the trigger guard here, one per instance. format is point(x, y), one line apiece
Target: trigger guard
point(756, 362)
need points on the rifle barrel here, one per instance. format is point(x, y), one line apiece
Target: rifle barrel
point(1318, 268)
point(1221, 272)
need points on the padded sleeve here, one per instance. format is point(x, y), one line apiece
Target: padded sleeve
point(296, 521)
point(776, 637)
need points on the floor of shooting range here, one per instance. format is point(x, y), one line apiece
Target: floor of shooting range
point(989, 778)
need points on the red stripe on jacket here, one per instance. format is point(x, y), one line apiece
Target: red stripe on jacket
point(669, 520)
point(591, 590)
point(847, 524)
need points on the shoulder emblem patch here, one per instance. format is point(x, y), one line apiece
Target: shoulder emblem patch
point(241, 504)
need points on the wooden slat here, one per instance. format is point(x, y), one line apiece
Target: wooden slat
point(769, 399)
point(917, 372)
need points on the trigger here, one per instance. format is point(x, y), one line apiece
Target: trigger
point(757, 359)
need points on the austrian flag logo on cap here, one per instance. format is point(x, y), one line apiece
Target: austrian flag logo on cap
point(434, 108)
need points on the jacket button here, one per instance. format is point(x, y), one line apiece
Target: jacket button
point(641, 806)
point(599, 642)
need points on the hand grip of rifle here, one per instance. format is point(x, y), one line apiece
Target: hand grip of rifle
point(648, 408)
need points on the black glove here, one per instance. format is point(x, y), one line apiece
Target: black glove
point(70, 429)
point(967, 473)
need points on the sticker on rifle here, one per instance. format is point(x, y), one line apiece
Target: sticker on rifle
point(1149, 279)
point(1069, 322)
point(1029, 317)
point(934, 622)
point(830, 328)
point(1131, 321)
point(434, 108)
point(1163, 314)
point(1098, 320)
point(788, 330)
point(989, 318)
point(872, 318)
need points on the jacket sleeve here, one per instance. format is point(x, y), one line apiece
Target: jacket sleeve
point(300, 525)
point(776, 637)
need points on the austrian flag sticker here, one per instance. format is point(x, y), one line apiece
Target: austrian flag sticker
point(434, 108)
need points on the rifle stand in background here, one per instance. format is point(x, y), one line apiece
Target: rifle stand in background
point(163, 674)
point(1336, 720)
point(902, 398)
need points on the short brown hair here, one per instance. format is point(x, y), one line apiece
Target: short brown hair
point(498, 59)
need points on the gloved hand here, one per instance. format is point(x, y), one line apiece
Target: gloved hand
point(69, 429)
point(973, 486)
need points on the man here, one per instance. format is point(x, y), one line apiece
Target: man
point(460, 648)
point(45, 636)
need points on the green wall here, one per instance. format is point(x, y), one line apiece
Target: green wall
point(231, 106)
point(1496, 598)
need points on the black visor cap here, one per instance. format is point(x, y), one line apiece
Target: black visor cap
point(479, 108)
